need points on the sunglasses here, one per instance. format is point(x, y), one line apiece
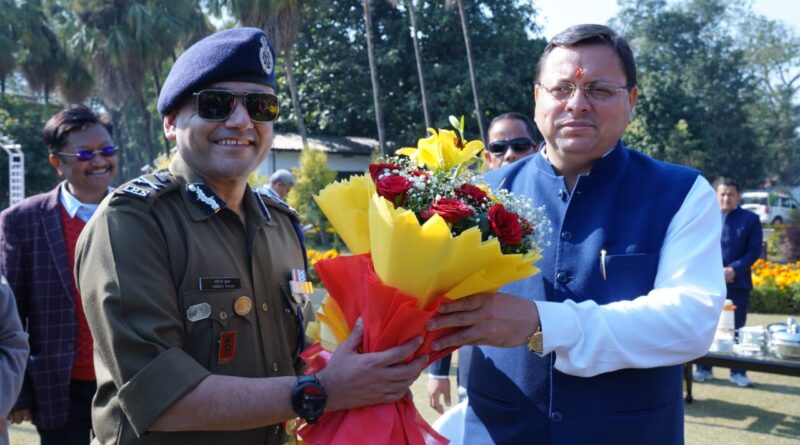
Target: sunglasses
point(519, 145)
point(87, 155)
point(218, 105)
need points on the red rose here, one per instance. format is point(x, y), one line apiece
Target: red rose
point(505, 225)
point(471, 194)
point(452, 210)
point(393, 188)
point(375, 170)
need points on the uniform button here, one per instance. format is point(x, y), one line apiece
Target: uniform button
point(563, 277)
point(566, 235)
point(275, 366)
point(287, 310)
point(70, 346)
point(264, 307)
point(223, 315)
point(555, 416)
point(277, 430)
point(561, 194)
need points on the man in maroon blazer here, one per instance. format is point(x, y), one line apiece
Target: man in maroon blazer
point(37, 249)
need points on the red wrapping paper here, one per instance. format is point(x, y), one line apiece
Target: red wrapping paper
point(390, 318)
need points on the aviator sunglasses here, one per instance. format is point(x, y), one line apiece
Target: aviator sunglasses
point(218, 105)
point(88, 155)
point(519, 145)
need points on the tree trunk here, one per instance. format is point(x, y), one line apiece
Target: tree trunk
point(298, 112)
point(373, 70)
point(148, 125)
point(471, 68)
point(413, 16)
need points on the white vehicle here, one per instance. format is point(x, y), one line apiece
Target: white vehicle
point(771, 207)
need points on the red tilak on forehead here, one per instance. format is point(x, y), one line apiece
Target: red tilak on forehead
point(579, 73)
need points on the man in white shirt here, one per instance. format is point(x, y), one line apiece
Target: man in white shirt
point(591, 349)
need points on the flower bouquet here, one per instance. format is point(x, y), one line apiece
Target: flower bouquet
point(422, 229)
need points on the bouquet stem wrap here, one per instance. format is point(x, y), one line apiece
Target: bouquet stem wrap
point(390, 318)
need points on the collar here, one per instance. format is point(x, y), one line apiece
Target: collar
point(74, 207)
point(201, 200)
point(611, 159)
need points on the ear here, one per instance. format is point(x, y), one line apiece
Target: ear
point(632, 97)
point(535, 92)
point(170, 126)
point(486, 156)
point(56, 163)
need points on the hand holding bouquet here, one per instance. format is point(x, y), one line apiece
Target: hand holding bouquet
point(423, 229)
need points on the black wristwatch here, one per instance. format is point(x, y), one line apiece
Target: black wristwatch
point(309, 398)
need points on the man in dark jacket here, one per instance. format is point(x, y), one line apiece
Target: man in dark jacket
point(741, 247)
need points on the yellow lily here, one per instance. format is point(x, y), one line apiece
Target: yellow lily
point(440, 151)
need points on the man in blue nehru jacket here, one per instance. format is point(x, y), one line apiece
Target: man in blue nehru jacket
point(185, 278)
point(591, 349)
point(741, 247)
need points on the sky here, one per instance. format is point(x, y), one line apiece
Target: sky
point(558, 15)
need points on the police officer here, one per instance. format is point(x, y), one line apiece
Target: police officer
point(185, 277)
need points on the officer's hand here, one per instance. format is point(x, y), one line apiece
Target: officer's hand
point(353, 380)
point(492, 319)
point(20, 416)
point(438, 388)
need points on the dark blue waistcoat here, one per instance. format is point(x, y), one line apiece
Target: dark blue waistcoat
point(623, 206)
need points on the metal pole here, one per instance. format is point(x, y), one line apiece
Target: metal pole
point(16, 172)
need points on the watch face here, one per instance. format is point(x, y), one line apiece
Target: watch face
point(309, 398)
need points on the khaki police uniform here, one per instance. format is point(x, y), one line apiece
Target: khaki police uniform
point(176, 287)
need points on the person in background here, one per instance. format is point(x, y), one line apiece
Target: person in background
point(741, 246)
point(192, 281)
point(280, 183)
point(591, 349)
point(511, 138)
point(37, 245)
point(14, 350)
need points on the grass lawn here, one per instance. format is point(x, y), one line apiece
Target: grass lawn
point(721, 413)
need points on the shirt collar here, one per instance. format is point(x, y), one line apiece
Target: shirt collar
point(74, 207)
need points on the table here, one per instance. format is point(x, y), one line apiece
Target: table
point(766, 363)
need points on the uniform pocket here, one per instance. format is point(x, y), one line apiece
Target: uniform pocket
point(217, 329)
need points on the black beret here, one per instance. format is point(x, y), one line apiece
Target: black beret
point(238, 54)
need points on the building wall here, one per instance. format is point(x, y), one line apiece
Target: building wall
point(291, 159)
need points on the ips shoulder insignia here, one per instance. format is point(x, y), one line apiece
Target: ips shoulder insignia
point(148, 187)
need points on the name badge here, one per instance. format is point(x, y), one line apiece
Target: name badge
point(220, 283)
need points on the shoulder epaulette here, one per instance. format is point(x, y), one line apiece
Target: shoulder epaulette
point(279, 204)
point(148, 187)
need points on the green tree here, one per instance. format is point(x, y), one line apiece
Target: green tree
point(40, 56)
point(471, 63)
point(335, 87)
point(8, 41)
point(772, 53)
point(373, 71)
point(694, 88)
point(412, 17)
point(312, 176)
point(22, 121)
